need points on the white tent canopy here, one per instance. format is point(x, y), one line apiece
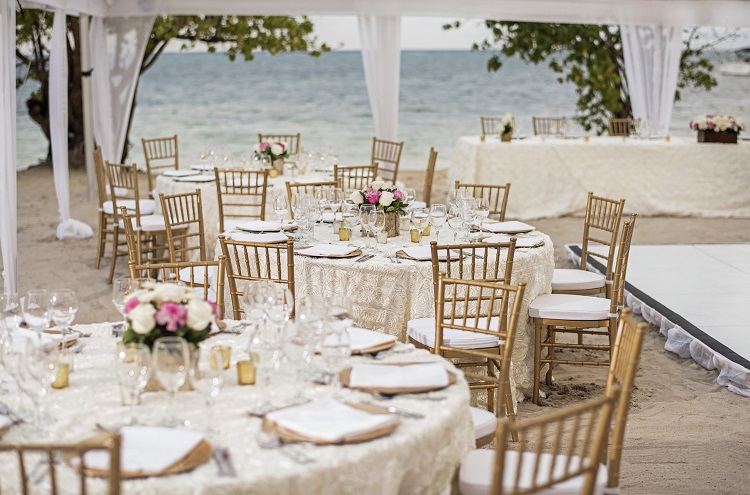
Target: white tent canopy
point(120, 28)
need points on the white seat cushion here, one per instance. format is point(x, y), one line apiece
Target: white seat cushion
point(198, 278)
point(211, 294)
point(572, 279)
point(147, 206)
point(417, 204)
point(484, 422)
point(569, 307)
point(423, 331)
point(149, 223)
point(477, 466)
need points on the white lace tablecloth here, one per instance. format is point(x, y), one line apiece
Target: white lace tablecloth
point(420, 457)
point(386, 295)
point(551, 177)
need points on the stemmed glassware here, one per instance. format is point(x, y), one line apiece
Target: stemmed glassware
point(207, 377)
point(42, 364)
point(420, 217)
point(364, 218)
point(455, 196)
point(335, 346)
point(438, 217)
point(350, 217)
point(411, 194)
point(455, 220)
point(63, 306)
point(281, 206)
point(335, 199)
point(377, 224)
point(36, 312)
point(171, 358)
point(122, 288)
point(10, 310)
point(468, 205)
point(133, 368)
point(481, 209)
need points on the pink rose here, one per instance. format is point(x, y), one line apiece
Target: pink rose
point(283, 146)
point(214, 308)
point(171, 315)
point(264, 146)
point(132, 303)
point(372, 196)
point(397, 194)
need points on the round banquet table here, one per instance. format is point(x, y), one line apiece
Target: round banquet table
point(419, 457)
point(385, 295)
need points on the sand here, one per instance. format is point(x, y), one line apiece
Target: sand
point(686, 434)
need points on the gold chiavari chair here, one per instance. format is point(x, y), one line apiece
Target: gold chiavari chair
point(249, 261)
point(456, 315)
point(429, 175)
point(106, 220)
point(293, 190)
point(355, 176)
point(75, 453)
point(496, 196)
point(290, 140)
point(207, 277)
point(387, 156)
point(131, 238)
point(123, 179)
point(242, 196)
point(548, 125)
point(623, 127)
point(576, 436)
point(491, 125)
point(161, 154)
point(183, 218)
point(600, 227)
point(591, 316)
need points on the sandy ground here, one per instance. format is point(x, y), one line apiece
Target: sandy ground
point(686, 434)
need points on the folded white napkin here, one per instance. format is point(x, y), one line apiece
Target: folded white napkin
point(511, 227)
point(5, 421)
point(204, 168)
point(180, 173)
point(147, 449)
point(366, 375)
point(307, 179)
point(329, 420)
point(521, 242)
point(196, 178)
point(328, 216)
point(49, 340)
point(266, 238)
point(361, 338)
point(424, 253)
point(260, 226)
point(322, 250)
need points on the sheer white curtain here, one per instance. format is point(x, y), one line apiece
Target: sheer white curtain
point(8, 236)
point(652, 64)
point(68, 228)
point(381, 57)
point(117, 48)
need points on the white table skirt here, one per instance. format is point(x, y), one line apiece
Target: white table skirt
point(551, 177)
point(420, 457)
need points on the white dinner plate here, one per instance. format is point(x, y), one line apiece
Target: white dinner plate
point(195, 178)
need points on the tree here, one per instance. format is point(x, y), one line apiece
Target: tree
point(591, 58)
point(239, 35)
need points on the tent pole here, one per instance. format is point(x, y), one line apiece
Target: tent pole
point(88, 116)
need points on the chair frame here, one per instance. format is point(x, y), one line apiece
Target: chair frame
point(106, 220)
point(355, 176)
point(307, 188)
point(429, 176)
point(234, 186)
point(159, 150)
point(181, 211)
point(257, 267)
point(384, 152)
point(490, 125)
point(497, 197)
point(623, 127)
point(291, 140)
point(547, 126)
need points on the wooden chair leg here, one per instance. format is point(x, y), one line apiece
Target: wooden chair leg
point(537, 359)
point(490, 396)
point(612, 336)
point(510, 412)
point(102, 238)
point(115, 240)
point(550, 354)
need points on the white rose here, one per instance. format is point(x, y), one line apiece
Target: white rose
point(256, 148)
point(377, 184)
point(169, 292)
point(357, 198)
point(200, 314)
point(386, 198)
point(276, 149)
point(142, 318)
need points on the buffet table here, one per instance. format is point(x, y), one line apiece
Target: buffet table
point(551, 176)
point(419, 457)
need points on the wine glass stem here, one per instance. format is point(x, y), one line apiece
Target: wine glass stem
point(421, 237)
point(133, 400)
point(172, 407)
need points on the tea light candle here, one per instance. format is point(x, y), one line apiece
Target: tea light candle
point(63, 376)
point(382, 238)
point(272, 174)
point(344, 234)
point(414, 235)
point(226, 357)
point(246, 372)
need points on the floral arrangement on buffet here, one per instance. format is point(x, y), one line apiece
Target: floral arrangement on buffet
point(384, 197)
point(506, 124)
point(275, 149)
point(717, 123)
point(167, 310)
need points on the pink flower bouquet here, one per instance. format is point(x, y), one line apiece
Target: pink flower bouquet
point(717, 123)
point(275, 149)
point(384, 197)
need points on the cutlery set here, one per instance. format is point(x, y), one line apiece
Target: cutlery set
point(223, 460)
point(364, 257)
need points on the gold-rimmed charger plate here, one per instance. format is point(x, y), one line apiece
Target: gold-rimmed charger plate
point(291, 436)
point(345, 375)
point(5, 428)
point(376, 348)
point(353, 254)
point(68, 343)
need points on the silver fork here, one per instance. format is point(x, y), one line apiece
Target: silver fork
point(268, 440)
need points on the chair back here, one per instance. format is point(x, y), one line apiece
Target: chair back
point(625, 358)
point(355, 176)
point(123, 184)
point(548, 125)
point(183, 218)
point(290, 140)
point(621, 267)
point(249, 261)
point(497, 197)
point(131, 237)
point(241, 194)
point(101, 177)
point(293, 190)
point(429, 175)
point(387, 156)
point(623, 127)
point(577, 436)
point(58, 482)
point(600, 226)
point(492, 125)
point(161, 154)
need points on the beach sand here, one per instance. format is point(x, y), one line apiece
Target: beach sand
point(686, 434)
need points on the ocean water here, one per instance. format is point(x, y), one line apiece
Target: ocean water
point(212, 102)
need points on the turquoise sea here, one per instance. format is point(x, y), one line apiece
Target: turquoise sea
point(212, 102)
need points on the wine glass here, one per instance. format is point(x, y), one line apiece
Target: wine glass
point(297, 345)
point(455, 196)
point(41, 365)
point(63, 306)
point(364, 218)
point(133, 368)
point(279, 304)
point(481, 209)
point(438, 217)
point(36, 312)
point(468, 205)
point(208, 380)
point(281, 206)
point(334, 347)
point(350, 217)
point(320, 194)
point(411, 194)
point(335, 199)
point(455, 220)
point(377, 224)
point(171, 358)
point(420, 217)
point(10, 310)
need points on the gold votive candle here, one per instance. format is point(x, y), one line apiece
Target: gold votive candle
point(481, 138)
point(246, 372)
point(62, 380)
point(666, 139)
point(345, 234)
point(427, 230)
point(226, 357)
point(585, 139)
point(272, 173)
point(414, 233)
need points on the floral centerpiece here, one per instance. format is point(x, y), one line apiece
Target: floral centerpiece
point(276, 150)
point(167, 310)
point(390, 199)
point(717, 128)
point(506, 127)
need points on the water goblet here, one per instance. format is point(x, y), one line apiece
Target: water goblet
point(364, 218)
point(171, 357)
point(350, 217)
point(335, 348)
point(133, 369)
point(420, 217)
point(36, 312)
point(281, 206)
point(411, 194)
point(455, 221)
point(63, 306)
point(208, 380)
point(438, 217)
point(335, 199)
point(10, 310)
point(377, 224)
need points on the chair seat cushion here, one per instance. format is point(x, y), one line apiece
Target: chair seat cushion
point(569, 307)
point(147, 206)
point(485, 422)
point(423, 331)
point(149, 223)
point(477, 466)
point(198, 273)
point(211, 296)
point(572, 279)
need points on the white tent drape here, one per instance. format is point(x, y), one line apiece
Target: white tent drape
point(8, 234)
point(381, 57)
point(652, 64)
point(117, 48)
point(58, 117)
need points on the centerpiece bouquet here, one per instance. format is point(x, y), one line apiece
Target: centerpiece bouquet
point(390, 199)
point(167, 310)
point(276, 150)
point(717, 128)
point(506, 124)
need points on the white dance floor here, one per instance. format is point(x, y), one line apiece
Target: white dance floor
point(698, 295)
